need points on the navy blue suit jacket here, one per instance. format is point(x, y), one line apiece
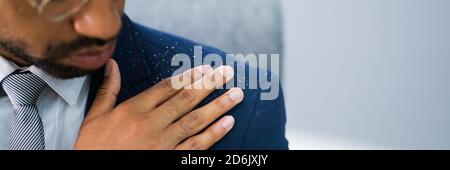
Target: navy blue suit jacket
point(144, 57)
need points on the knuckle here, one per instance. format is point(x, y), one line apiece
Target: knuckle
point(220, 104)
point(191, 122)
point(120, 113)
point(213, 135)
point(188, 96)
point(122, 109)
point(173, 106)
point(195, 144)
point(167, 118)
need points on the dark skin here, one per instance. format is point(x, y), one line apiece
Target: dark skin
point(23, 28)
point(159, 118)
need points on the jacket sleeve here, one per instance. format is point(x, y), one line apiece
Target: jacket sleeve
point(266, 128)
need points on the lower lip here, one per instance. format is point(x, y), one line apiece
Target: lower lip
point(93, 61)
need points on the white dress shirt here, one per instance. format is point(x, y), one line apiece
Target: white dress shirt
point(61, 107)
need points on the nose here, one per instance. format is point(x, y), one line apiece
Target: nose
point(99, 19)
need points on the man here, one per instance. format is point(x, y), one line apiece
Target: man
point(61, 89)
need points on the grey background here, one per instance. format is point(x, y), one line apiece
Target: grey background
point(358, 74)
point(235, 26)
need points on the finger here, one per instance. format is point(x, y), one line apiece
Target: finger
point(165, 89)
point(189, 97)
point(209, 137)
point(105, 99)
point(199, 119)
point(190, 76)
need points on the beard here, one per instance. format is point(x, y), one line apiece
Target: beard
point(54, 53)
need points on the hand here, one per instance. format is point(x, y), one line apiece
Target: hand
point(161, 117)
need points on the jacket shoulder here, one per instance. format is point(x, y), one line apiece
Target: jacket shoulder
point(145, 57)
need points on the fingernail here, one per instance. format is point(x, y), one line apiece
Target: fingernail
point(236, 94)
point(228, 122)
point(108, 68)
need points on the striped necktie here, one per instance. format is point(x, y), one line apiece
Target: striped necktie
point(24, 90)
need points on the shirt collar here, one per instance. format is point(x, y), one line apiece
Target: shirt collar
point(67, 89)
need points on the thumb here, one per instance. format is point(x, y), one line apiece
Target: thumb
point(107, 94)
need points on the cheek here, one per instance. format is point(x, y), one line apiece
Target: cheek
point(21, 22)
point(17, 29)
point(31, 46)
point(35, 38)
